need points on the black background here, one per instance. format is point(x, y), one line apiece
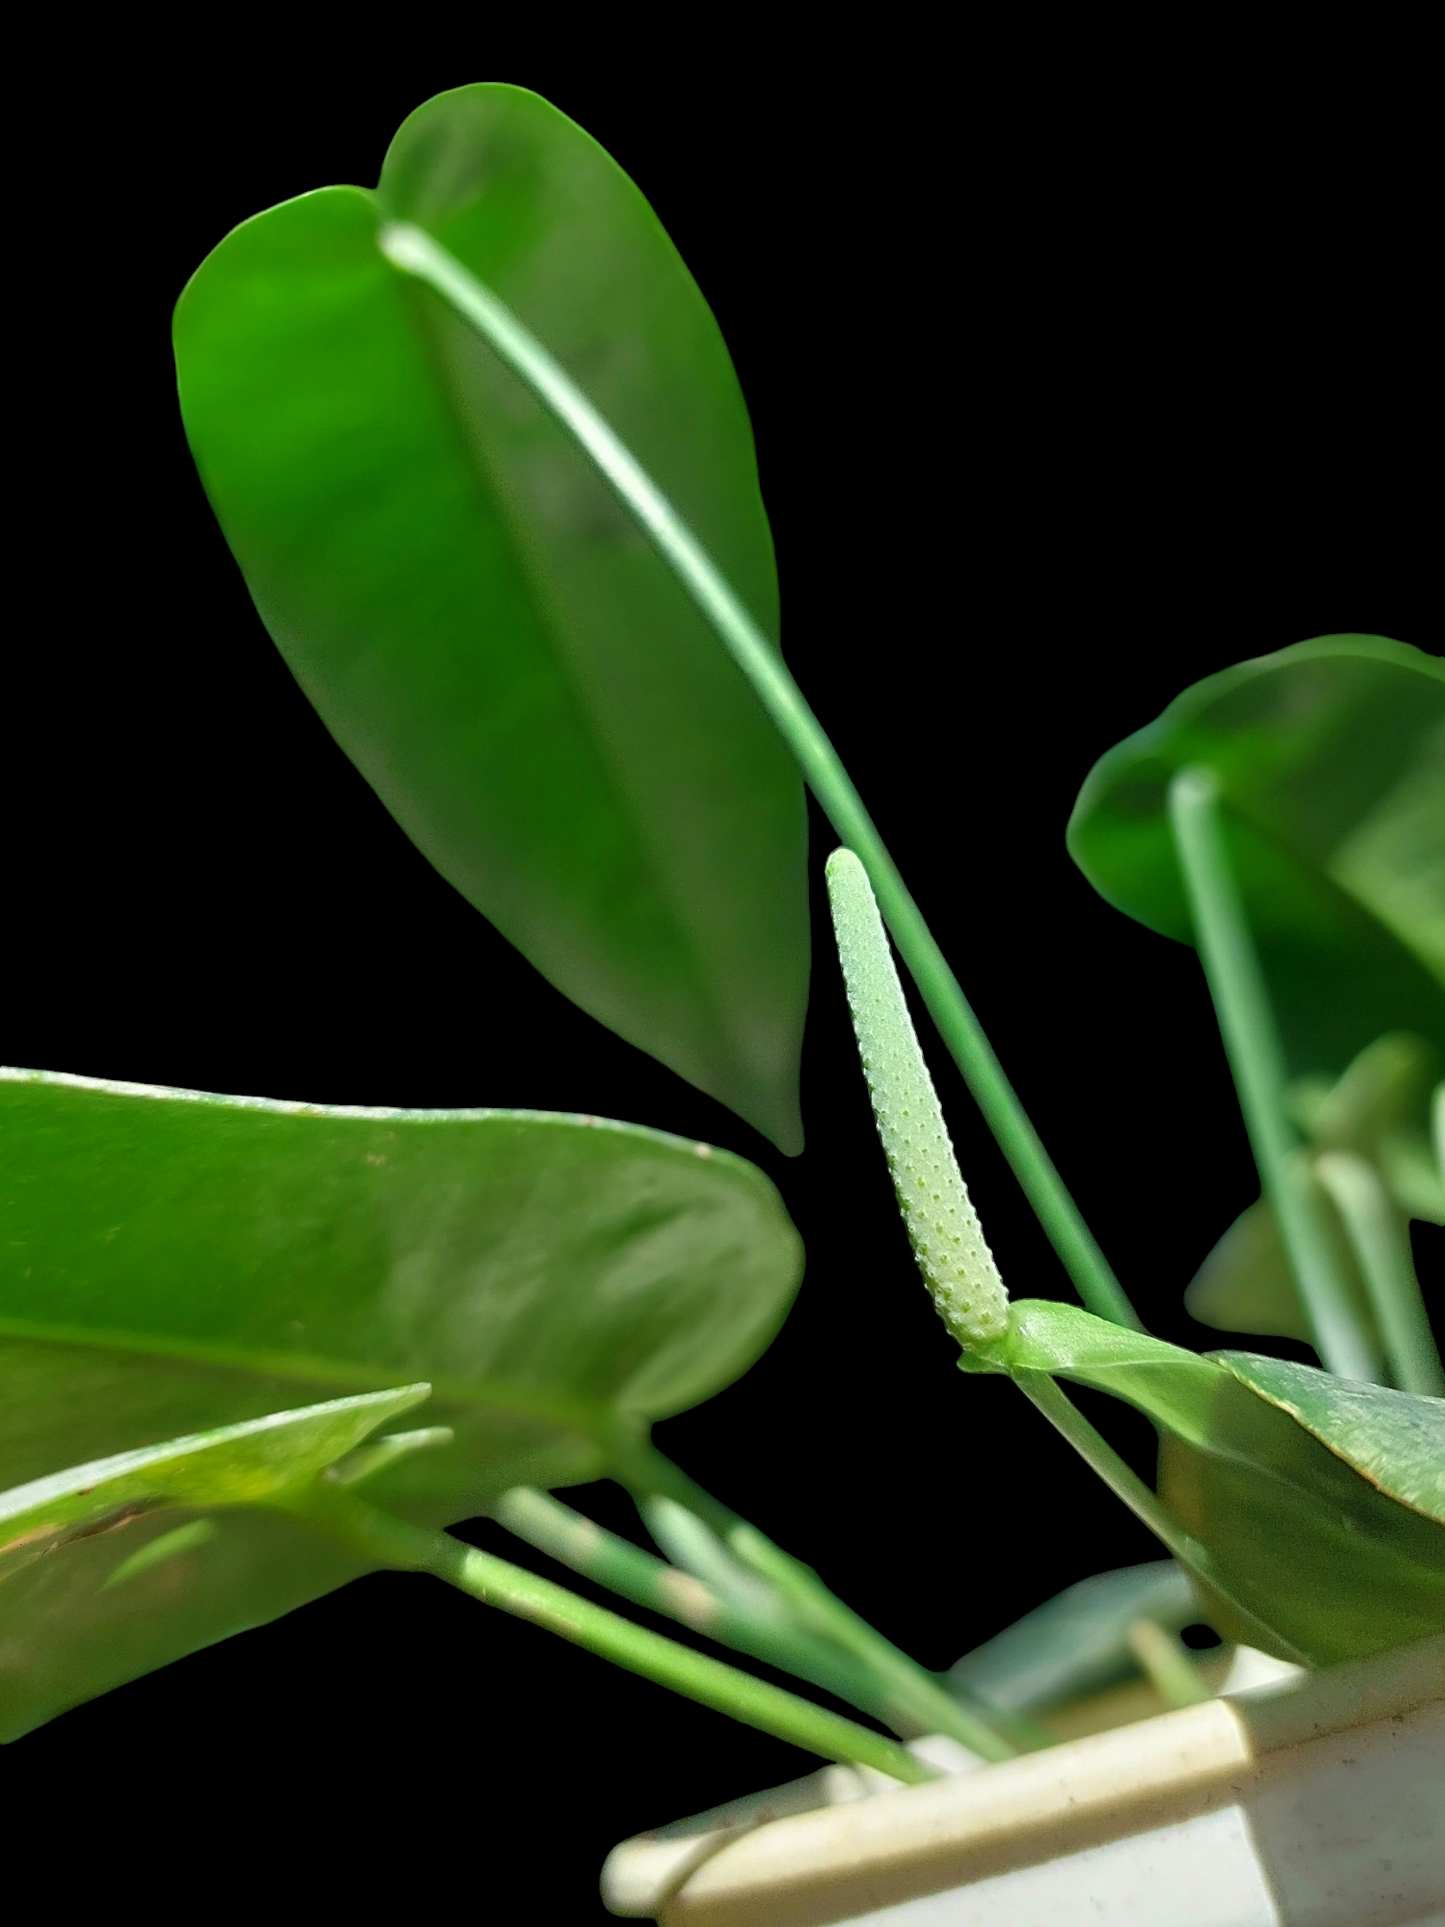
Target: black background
point(1065, 396)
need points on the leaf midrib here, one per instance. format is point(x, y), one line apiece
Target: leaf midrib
point(693, 943)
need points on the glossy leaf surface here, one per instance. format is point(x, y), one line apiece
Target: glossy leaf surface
point(1392, 1439)
point(170, 1261)
point(479, 623)
point(1330, 758)
point(1306, 1539)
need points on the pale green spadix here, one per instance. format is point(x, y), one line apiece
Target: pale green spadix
point(943, 1226)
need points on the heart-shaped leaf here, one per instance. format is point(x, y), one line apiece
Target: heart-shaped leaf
point(1305, 1503)
point(481, 626)
point(171, 1261)
point(1330, 759)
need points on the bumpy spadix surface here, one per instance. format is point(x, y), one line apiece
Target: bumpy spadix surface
point(943, 1226)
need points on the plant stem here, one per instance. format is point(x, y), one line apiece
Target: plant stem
point(565, 1535)
point(1101, 1457)
point(1252, 1045)
point(390, 1541)
point(1125, 1483)
point(696, 1548)
point(1167, 1665)
point(415, 253)
point(1380, 1239)
point(907, 1691)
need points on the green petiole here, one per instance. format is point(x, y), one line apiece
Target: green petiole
point(910, 1694)
point(1380, 1239)
point(777, 1584)
point(412, 251)
point(1251, 1042)
point(389, 1541)
point(1125, 1483)
point(696, 1548)
point(1166, 1664)
point(575, 1541)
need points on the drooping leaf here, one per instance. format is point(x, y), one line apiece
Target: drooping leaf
point(1077, 1642)
point(1322, 1555)
point(170, 1261)
point(1327, 755)
point(480, 625)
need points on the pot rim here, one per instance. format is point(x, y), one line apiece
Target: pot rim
point(1124, 1778)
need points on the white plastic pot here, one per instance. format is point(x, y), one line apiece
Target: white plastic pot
point(1313, 1801)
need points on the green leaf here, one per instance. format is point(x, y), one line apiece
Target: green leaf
point(1295, 1512)
point(481, 626)
point(1077, 1642)
point(230, 1465)
point(1246, 1285)
point(1329, 756)
point(76, 1623)
point(1393, 1439)
point(170, 1261)
point(1380, 1110)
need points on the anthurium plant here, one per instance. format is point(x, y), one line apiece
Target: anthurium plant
point(477, 445)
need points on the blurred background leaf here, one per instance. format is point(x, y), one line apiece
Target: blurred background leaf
point(1376, 1111)
point(1328, 755)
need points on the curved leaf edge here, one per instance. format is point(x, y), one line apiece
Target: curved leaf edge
point(1244, 1367)
point(65, 1502)
point(1150, 740)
